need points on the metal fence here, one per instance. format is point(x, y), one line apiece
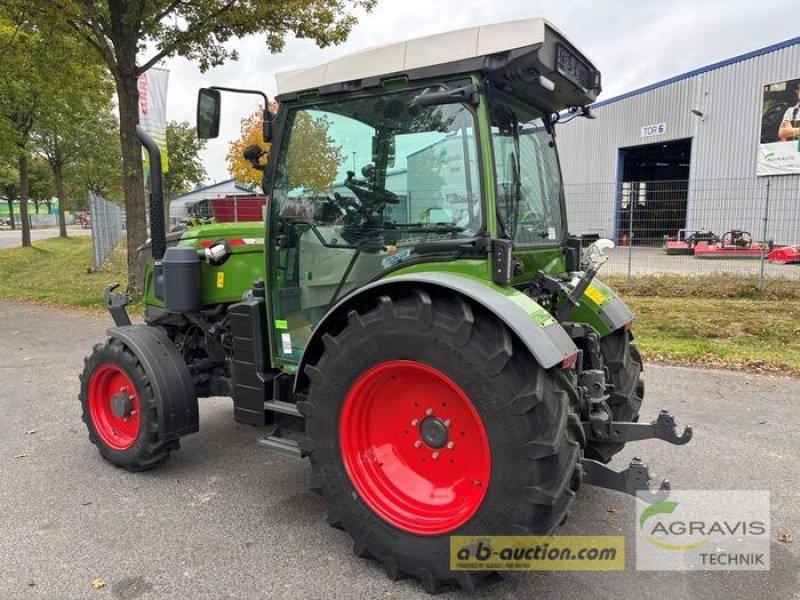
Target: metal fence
point(691, 227)
point(108, 223)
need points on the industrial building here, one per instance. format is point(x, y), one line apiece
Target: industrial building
point(714, 149)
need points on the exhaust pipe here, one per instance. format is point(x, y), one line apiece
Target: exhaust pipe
point(158, 234)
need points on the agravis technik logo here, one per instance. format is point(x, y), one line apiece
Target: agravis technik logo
point(704, 530)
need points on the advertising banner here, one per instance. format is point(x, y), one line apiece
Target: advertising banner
point(779, 150)
point(153, 109)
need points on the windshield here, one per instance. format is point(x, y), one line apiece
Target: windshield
point(383, 168)
point(528, 176)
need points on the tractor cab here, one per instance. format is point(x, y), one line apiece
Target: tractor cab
point(417, 154)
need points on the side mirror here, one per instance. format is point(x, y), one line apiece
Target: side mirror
point(209, 103)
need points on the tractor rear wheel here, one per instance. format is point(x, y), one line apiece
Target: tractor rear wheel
point(426, 418)
point(624, 363)
point(119, 409)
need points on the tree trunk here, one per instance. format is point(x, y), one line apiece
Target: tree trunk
point(23, 199)
point(11, 213)
point(133, 181)
point(62, 200)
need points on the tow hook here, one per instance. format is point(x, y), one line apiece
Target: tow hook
point(663, 428)
point(116, 303)
point(635, 480)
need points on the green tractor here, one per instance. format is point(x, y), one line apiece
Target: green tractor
point(415, 319)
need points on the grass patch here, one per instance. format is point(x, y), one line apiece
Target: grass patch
point(705, 286)
point(59, 271)
point(716, 320)
point(761, 335)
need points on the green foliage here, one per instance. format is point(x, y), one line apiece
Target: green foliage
point(185, 169)
point(53, 86)
point(98, 166)
point(42, 184)
point(122, 32)
point(9, 182)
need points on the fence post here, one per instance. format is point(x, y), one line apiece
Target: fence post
point(630, 232)
point(763, 240)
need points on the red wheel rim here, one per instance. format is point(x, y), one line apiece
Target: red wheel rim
point(110, 390)
point(414, 447)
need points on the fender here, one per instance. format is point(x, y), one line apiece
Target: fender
point(534, 326)
point(601, 308)
point(173, 387)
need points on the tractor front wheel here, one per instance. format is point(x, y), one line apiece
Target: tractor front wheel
point(119, 409)
point(426, 418)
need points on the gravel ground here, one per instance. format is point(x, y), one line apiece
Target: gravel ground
point(227, 519)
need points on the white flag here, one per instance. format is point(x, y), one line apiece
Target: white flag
point(153, 108)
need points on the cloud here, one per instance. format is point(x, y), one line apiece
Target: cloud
point(633, 43)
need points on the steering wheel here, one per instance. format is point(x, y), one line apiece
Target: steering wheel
point(738, 238)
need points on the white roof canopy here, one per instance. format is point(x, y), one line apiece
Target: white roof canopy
point(440, 49)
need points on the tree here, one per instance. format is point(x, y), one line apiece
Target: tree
point(20, 97)
point(41, 184)
point(68, 125)
point(33, 90)
point(9, 190)
point(251, 133)
point(185, 169)
point(312, 162)
point(98, 166)
point(132, 36)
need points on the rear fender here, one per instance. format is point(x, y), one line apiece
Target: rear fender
point(534, 326)
point(601, 308)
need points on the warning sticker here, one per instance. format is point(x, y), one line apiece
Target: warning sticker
point(286, 341)
point(221, 279)
point(595, 295)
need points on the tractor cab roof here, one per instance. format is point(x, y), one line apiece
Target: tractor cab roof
point(528, 59)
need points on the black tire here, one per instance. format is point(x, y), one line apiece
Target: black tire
point(146, 451)
point(534, 435)
point(624, 363)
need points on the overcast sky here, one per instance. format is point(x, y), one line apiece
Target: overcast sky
point(632, 42)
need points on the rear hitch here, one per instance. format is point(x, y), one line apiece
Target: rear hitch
point(635, 480)
point(663, 428)
point(116, 303)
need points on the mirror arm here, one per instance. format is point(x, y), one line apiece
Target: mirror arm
point(266, 126)
point(244, 91)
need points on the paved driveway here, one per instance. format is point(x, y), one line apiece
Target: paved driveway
point(10, 238)
point(227, 519)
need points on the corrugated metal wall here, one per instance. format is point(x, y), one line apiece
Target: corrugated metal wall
point(724, 192)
